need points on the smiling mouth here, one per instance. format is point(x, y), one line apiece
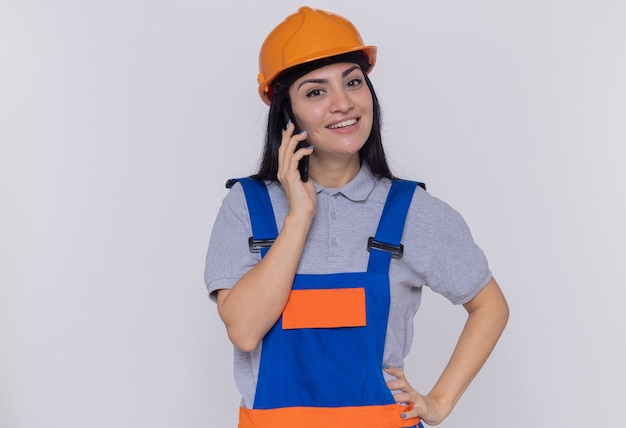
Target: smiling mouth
point(343, 124)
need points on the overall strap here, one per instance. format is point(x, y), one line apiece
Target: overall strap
point(264, 230)
point(386, 244)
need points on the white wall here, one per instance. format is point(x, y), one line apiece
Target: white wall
point(121, 120)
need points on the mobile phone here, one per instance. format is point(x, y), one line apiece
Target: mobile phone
point(303, 164)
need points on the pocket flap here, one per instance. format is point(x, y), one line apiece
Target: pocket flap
point(325, 308)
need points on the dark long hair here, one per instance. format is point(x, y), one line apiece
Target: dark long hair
point(372, 151)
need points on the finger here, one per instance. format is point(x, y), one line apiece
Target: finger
point(297, 156)
point(284, 142)
point(397, 388)
point(288, 144)
point(302, 152)
point(409, 413)
point(290, 139)
point(403, 397)
point(394, 371)
point(290, 156)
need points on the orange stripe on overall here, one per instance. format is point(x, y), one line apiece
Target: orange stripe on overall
point(385, 416)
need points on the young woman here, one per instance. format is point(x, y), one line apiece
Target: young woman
point(317, 277)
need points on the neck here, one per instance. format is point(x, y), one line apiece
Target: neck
point(334, 174)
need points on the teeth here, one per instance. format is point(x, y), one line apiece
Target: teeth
point(343, 124)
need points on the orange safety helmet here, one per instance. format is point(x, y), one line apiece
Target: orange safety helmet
point(307, 35)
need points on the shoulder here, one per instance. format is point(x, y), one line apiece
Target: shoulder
point(234, 208)
point(435, 221)
point(235, 199)
point(428, 207)
point(236, 196)
point(432, 209)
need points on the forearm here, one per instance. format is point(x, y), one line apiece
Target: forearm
point(256, 301)
point(488, 315)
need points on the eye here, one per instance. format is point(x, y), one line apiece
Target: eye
point(354, 83)
point(314, 93)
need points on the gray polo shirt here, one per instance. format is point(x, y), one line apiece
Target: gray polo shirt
point(439, 252)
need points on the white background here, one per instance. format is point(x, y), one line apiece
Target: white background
point(120, 121)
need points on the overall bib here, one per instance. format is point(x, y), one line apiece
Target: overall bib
point(321, 363)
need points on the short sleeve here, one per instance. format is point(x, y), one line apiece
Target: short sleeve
point(228, 256)
point(455, 266)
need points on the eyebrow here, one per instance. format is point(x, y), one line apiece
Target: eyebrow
point(344, 74)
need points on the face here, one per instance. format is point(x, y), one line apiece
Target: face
point(334, 105)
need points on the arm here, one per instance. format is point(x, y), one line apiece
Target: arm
point(488, 314)
point(256, 301)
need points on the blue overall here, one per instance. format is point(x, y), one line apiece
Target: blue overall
point(329, 377)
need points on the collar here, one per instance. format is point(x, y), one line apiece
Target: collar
point(357, 189)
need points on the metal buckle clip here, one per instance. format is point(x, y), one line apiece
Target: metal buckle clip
point(396, 250)
point(255, 245)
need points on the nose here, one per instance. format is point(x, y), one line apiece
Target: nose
point(341, 101)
